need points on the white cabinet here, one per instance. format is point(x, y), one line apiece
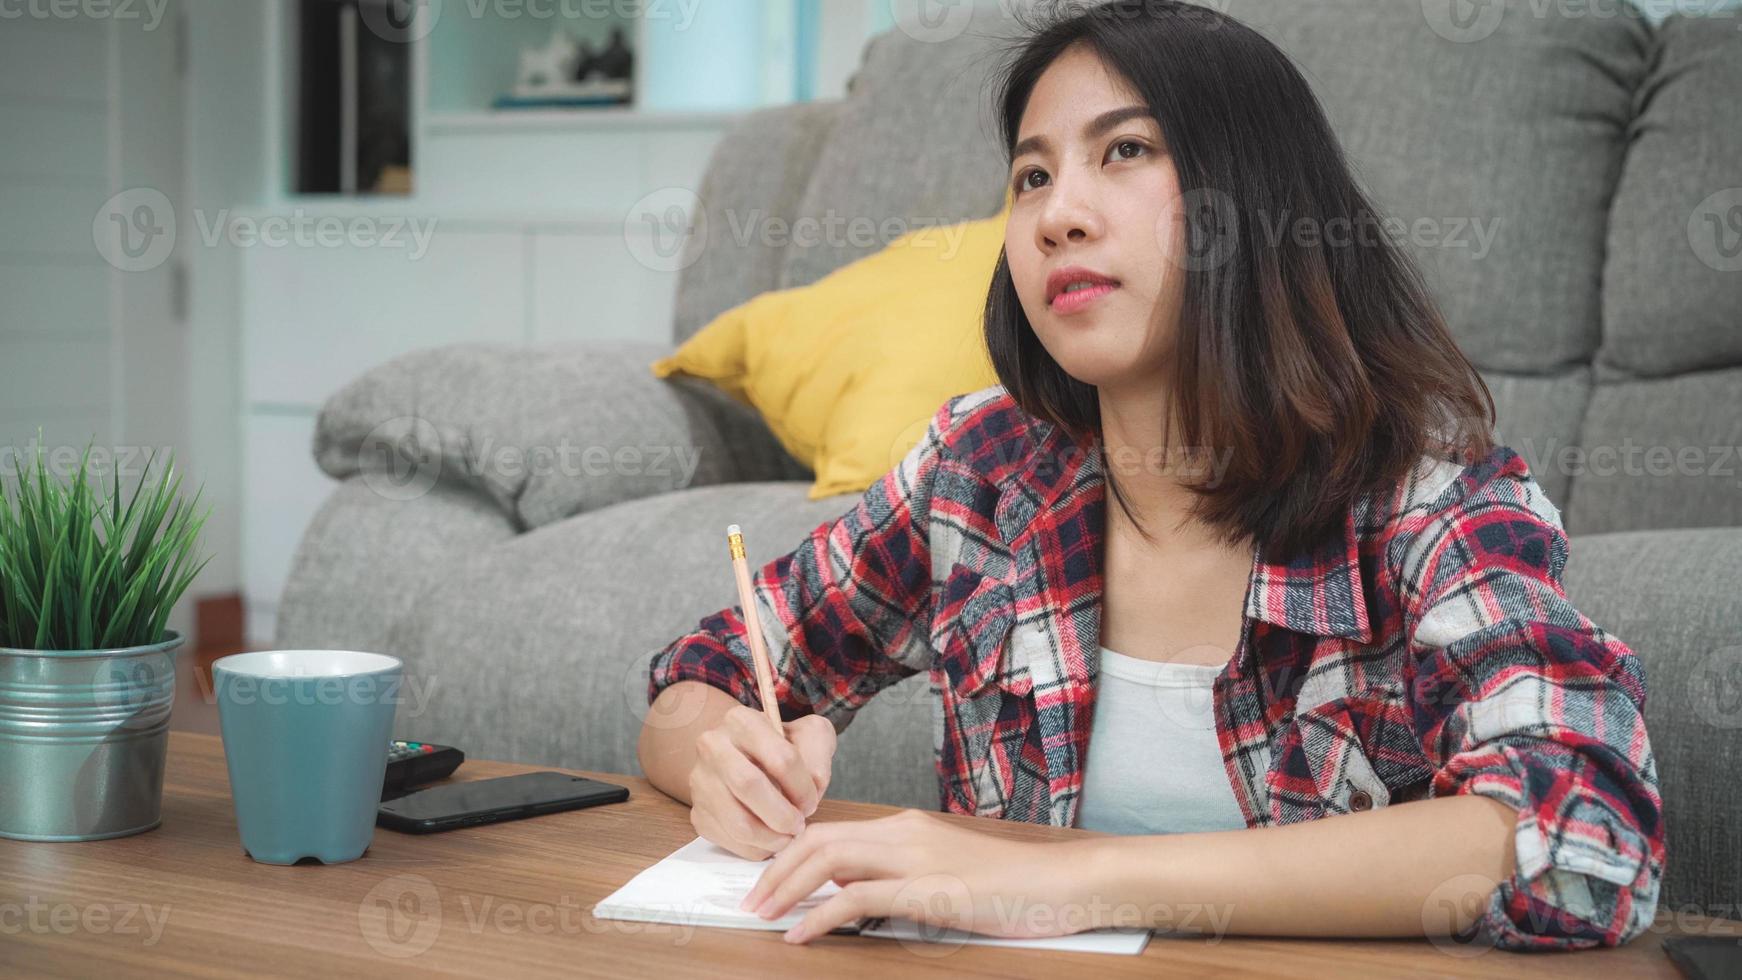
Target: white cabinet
point(282, 490)
point(317, 316)
point(490, 263)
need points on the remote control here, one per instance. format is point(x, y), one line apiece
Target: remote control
point(411, 764)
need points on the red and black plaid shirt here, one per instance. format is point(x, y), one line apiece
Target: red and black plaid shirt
point(1429, 650)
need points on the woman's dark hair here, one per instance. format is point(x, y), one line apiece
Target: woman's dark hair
point(1322, 369)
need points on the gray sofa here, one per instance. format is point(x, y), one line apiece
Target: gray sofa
point(1571, 183)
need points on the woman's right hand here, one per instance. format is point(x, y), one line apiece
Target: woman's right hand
point(750, 789)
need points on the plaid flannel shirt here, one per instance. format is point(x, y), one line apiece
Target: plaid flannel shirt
point(1426, 651)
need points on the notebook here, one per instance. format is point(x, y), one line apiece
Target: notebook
point(701, 884)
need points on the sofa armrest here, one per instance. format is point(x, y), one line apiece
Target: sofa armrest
point(544, 432)
point(1671, 596)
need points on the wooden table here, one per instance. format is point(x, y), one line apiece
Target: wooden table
point(513, 900)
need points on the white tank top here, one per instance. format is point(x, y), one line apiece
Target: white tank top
point(1154, 765)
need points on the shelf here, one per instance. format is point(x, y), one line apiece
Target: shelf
point(438, 123)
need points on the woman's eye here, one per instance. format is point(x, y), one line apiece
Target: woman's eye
point(1122, 145)
point(1024, 180)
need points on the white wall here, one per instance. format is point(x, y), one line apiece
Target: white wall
point(226, 157)
point(225, 351)
point(92, 346)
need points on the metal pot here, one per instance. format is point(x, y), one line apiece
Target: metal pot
point(83, 735)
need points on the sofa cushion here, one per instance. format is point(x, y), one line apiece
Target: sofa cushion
point(1497, 140)
point(1538, 418)
point(1497, 149)
point(748, 198)
point(913, 146)
point(848, 370)
point(554, 630)
point(1672, 288)
point(543, 432)
point(368, 556)
point(1670, 596)
point(1660, 453)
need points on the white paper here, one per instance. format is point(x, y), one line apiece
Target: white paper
point(1127, 942)
point(701, 884)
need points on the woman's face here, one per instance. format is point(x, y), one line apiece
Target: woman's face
point(1095, 191)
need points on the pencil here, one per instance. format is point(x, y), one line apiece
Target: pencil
point(753, 626)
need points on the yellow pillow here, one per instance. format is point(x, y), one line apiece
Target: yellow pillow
point(848, 370)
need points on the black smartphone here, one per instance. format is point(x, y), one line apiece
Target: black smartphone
point(1705, 957)
point(483, 801)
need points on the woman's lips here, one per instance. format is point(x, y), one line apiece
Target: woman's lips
point(1078, 299)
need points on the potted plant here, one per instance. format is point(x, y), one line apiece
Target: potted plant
point(88, 575)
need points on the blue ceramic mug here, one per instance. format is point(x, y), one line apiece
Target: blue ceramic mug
point(305, 739)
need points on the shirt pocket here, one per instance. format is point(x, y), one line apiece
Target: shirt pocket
point(972, 633)
point(1337, 755)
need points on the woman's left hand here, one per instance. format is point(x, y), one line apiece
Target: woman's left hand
point(917, 866)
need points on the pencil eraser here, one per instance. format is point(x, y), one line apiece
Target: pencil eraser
point(732, 529)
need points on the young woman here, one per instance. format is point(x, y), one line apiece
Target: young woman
point(1227, 566)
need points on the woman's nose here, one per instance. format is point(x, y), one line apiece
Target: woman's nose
point(1067, 219)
